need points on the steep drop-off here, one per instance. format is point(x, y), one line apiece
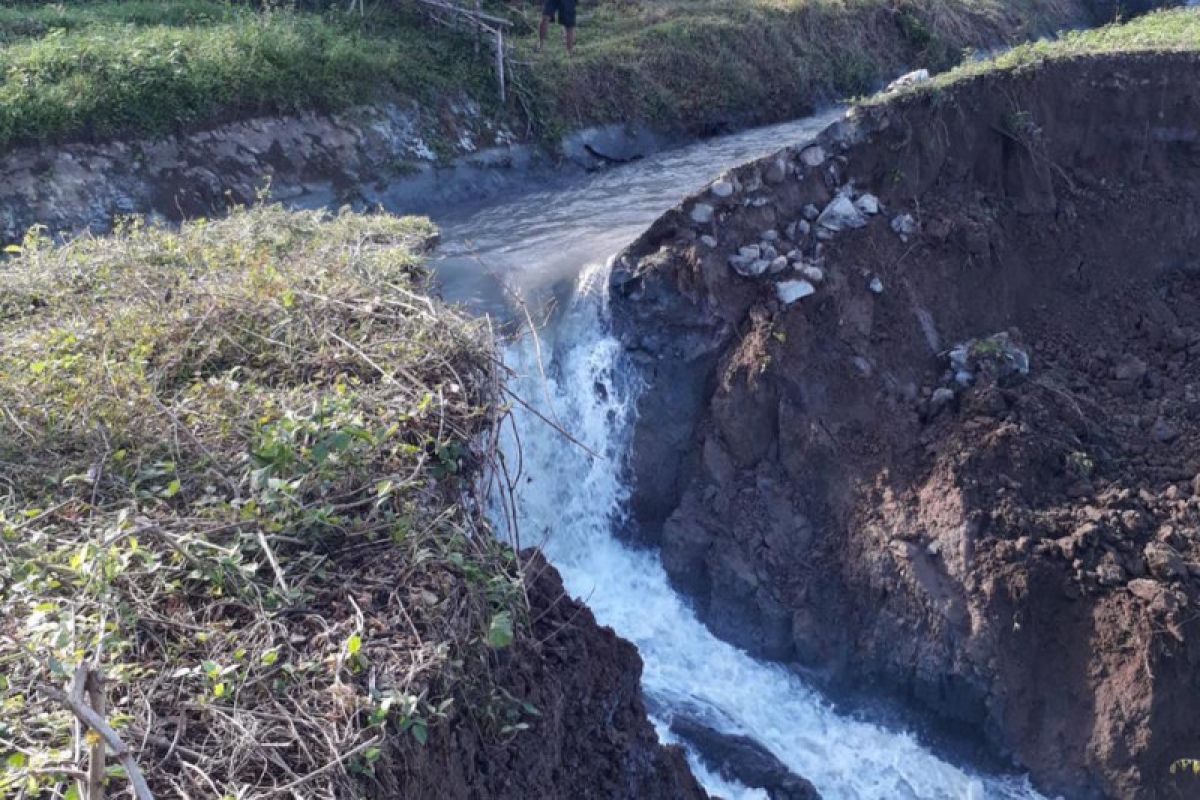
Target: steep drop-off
point(922, 403)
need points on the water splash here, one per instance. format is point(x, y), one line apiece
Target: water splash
point(571, 503)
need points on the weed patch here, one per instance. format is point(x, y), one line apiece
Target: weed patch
point(237, 474)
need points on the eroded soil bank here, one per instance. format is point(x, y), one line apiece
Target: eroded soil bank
point(922, 410)
point(591, 737)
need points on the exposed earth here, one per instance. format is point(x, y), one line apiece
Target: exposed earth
point(922, 411)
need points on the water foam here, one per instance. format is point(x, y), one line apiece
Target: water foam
point(571, 503)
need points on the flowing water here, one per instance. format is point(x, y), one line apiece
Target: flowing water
point(550, 247)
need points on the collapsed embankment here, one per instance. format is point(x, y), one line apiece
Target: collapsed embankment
point(923, 402)
point(241, 492)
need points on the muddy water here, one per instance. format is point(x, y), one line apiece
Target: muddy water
point(549, 246)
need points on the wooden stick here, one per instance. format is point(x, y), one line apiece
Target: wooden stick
point(84, 713)
point(500, 64)
point(262, 541)
point(95, 693)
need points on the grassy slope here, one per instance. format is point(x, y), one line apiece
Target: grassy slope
point(145, 67)
point(703, 63)
point(235, 462)
point(105, 69)
point(1162, 31)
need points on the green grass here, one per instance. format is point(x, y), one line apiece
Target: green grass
point(97, 70)
point(108, 69)
point(704, 64)
point(235, 463)
point(1158, 32)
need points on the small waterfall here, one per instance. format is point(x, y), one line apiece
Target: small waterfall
point(571, 502)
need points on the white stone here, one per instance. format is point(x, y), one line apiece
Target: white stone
point(811, 212)
point(909, 79)
point(813, 273)
point(941, 396)
point(779, 265)
point(748, 267)
point(841, 214)
point(867, 204)
point(751, 251)
point(708, 241)
point(904, 225)
point(791, 291)
point(770, 236)
point(813, 155)
point(702, 213)
point(876, 286)
point(722, 188)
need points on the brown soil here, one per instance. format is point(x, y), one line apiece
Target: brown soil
point(1023, 559)
point(590, 739)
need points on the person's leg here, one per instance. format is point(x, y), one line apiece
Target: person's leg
point(549, 10)
point(566, 17)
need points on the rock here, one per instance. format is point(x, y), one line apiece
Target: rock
point(702, 213)
point(742, 759)
point(1130, 368)
point(1164, 431)
point(941, 398)
point(778, 265)
point(959, 357)
point(811, 212)
point(876, 285)
point(770, 236)
point(813, 155)
point(791, 291)
point(749, 261)
point(722, 188)
point(904, 225)
point(913, 78)
point(776, 172)
point(708, 241)
point(1110, 575)
point(1164, 561)
point(841, 214)
point(867, 204)
point(1144, 589)
point(812, 273)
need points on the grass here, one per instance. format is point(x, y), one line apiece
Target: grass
point(100, 70)
point(96, 70)
point(708, 64)
point(1158, 32)
point(238, 467)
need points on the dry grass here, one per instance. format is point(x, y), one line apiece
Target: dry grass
point(237, 473)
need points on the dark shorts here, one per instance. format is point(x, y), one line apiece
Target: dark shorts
point(562, 10)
